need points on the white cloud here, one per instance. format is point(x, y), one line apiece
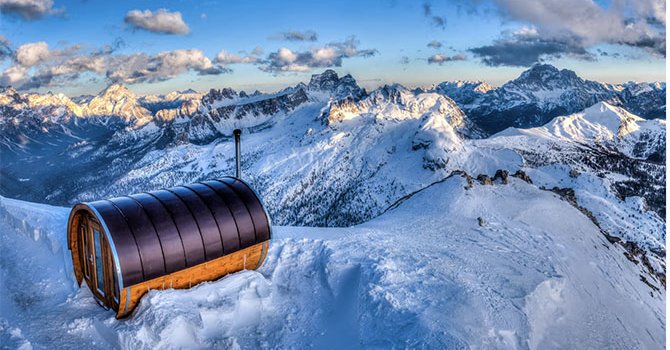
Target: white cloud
point(30, 54)
point(28, 9)
point(161, 21)
point(330, 55)
point(225, 57)
point(325, 55)
point(297, 36)
point(13, 75)
point(5, 48)
point(434, 44)
point(286, 55)
point(626, 22)
point(165, 65)
point(443, 58)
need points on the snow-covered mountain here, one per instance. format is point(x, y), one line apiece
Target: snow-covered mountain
point(544, 92)
point(463, 92)
point(608, 126)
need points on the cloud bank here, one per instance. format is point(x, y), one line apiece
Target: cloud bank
point(286, 60)
point(35, 65)
point(572, 27)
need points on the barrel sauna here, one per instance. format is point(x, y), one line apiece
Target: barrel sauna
point(173, 238)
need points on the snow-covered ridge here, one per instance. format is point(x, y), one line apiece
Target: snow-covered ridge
point(450, 267)
point(603, 124)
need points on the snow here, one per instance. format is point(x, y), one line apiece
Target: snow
point(537, 275)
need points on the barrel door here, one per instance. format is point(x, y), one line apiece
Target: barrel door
point(97, 263)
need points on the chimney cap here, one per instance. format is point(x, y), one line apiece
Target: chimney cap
point(237, 132)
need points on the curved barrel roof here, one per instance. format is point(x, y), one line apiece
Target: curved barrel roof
point(160, 232)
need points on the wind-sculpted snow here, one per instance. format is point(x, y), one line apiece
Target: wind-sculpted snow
point(498, 266)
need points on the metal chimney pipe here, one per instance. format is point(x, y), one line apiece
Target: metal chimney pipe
point(238, 153)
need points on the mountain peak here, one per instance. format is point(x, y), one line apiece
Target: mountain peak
point(324, 81)
point(546, 77)
point(116, 90)
point(330, 82)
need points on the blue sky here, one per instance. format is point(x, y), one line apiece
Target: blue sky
point(378, 42)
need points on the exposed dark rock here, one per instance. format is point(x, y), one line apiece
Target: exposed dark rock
point(523, 176)
point(480, 220)
point(611, 239)
point(464, 175)
point(644, 279)
point(503, 175)
point(484, 179)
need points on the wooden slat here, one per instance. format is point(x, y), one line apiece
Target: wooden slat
point(248, 258)
point(73, 235)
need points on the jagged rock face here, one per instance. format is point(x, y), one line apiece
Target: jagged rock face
point(212, 121)
point(395, 102)
point(172, 103)
point(463, 92)
point(47, 109)
point(217, 95)
point(9, 95)
point(185, 110)
point(337, 87)
point(644, 99)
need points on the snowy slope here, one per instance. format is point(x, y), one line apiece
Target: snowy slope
point(614, 162)
point(606, 125)
point(535, 274)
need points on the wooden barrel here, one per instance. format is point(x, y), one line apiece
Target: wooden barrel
point(172, 238)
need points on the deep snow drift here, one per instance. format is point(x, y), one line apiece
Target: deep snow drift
point(534, 273)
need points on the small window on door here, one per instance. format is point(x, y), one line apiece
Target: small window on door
point(84, 251)
point(100, 280)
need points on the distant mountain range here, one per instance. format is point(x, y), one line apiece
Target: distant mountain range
point(330, 153)
point(535, 97)
point(544, 92)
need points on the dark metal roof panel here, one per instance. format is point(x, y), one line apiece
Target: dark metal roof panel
point(168, 234)
point(253, 203)
point(222, 215)
point(190, 234)
point(151, 252)
point(124, 241)
point(245, 226)
point(209, 231)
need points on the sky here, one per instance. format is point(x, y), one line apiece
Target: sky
point(153, 47)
